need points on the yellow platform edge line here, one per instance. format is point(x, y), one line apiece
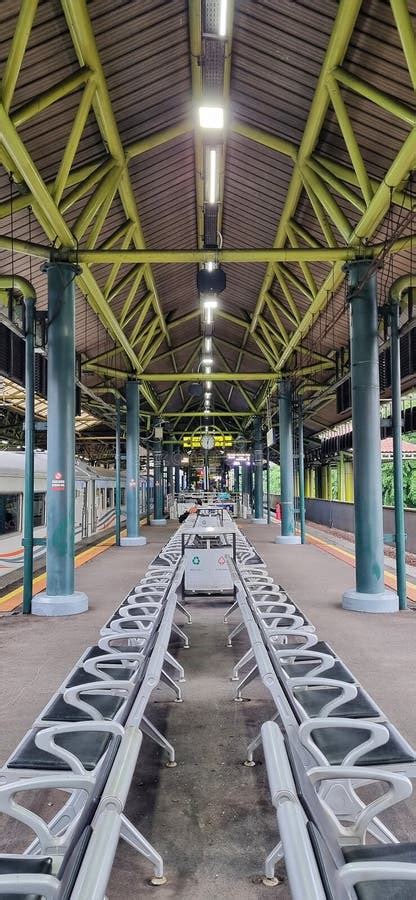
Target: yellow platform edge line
point(14, 597)
point(338, 552)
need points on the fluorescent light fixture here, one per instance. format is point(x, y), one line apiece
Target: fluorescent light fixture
point(211, 116)
point(208, 385)
point(207, 361)
point(222, 25)
point(209, 306)
point(208, 370)
point(212, 193)
point(208, 396)
point(208, 344)
point(210, 266)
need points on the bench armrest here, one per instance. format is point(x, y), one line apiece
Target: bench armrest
point(324, 661)
point(45, 886)
point(348, 691)
point(91, 666)
point(48, 840)
point(45, 740)
point(351, 873)
point(399, 788)
point(116, 688)
point(377, 736)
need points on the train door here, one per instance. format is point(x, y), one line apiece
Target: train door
point(93, 507)
point(85, 511)
point(79, 510)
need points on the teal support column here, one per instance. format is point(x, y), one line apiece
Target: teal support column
point(287, 535)
point(251, 483)
point(301, 478)
point(29, 451)
point(148, 485)
point(268, 483)
point(118, 473)
point(258, 474)
point(60, 597)
point(396, 415)
point(158, 518)
point(370, 594)
point(134, 538)
point(177, 478)
point(237, 479)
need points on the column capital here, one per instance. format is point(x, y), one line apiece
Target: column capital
point(61, 264)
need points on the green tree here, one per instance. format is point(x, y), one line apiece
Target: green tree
point(274, 479)
point(409, 482)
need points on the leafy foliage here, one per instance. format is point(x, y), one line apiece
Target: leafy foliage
point(274, 479)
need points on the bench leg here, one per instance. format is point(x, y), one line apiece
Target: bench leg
point(172, 684)
point(269, 866)
point(147, 727)
point(246, 680)
point(241, 663)
point(184, 611)
point(234, 633)
point(175, 665)
point(132, 836)
point(181, 634)
point(230, 611)
point(256, 742)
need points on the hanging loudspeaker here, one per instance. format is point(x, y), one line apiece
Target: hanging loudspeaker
point(213, 282)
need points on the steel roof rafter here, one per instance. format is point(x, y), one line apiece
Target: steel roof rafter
point(317, 174)
point(45, 201)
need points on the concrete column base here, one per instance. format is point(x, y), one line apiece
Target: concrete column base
point(358, 601)
point(61, 605)
point(287, 539)
point(158, 522)
point(138, 541)
point(260, 521)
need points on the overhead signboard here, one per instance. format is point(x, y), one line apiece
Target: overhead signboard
point(193, 441)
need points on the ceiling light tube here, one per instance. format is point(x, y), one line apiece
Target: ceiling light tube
point(211, 116)
point(222, 25)
point(208, 344)
point(212, 194)
point(207, 361)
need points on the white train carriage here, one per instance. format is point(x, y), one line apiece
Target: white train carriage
point(94, 504)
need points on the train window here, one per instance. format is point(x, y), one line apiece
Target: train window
point(123, 496)
point(9, 513)
point(109, 497)
point(38, 510)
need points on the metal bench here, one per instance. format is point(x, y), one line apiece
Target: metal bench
point(325, 858)
point(86, 743)
point(335, 721)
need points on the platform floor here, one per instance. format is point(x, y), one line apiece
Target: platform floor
point(210, 817)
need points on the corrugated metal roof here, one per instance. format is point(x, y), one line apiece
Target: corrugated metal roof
point(277, 53)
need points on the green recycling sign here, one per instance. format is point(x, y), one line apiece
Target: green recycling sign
point(195, 560)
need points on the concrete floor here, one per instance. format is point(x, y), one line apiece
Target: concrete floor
point(210, 817)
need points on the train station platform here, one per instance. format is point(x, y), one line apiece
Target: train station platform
point(210, 817)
